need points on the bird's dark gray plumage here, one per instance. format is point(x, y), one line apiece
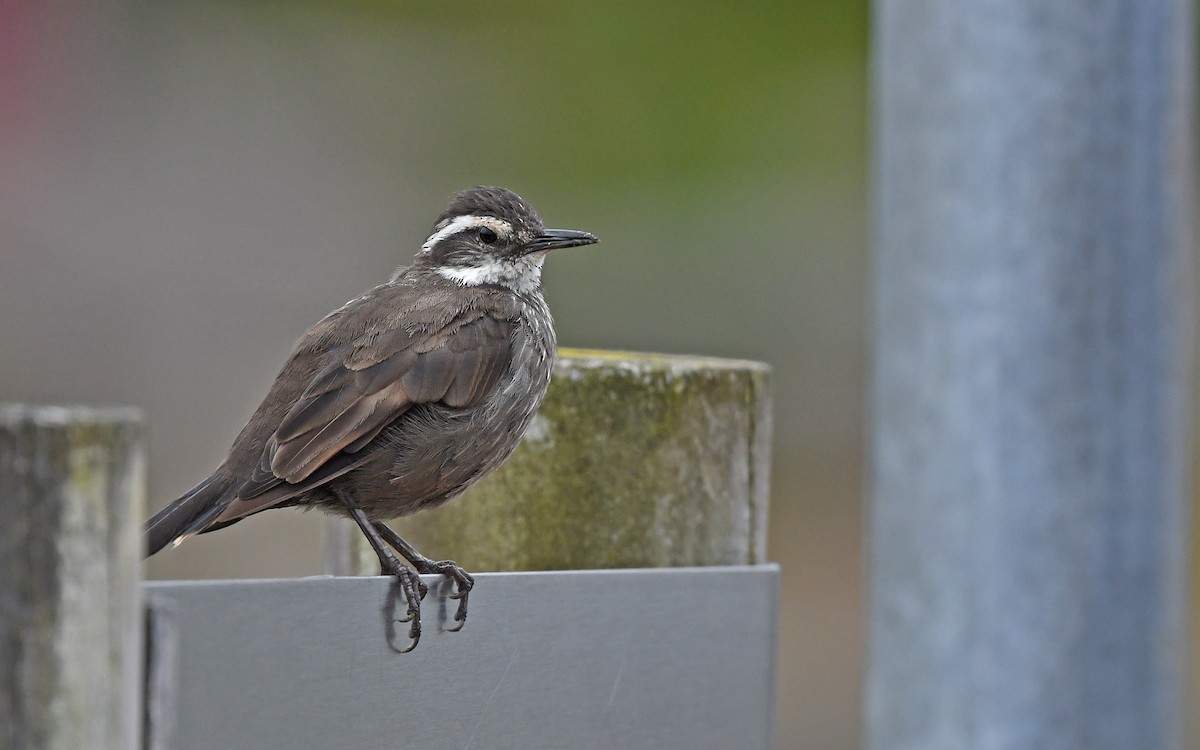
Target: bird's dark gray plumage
point(403, 397)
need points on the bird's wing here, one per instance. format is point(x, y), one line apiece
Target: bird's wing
point(369, 383)
point(349, 402)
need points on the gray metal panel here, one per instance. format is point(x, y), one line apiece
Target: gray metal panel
point(665, 658)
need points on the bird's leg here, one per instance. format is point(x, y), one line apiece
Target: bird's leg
point(463, 581)
point(410, 583)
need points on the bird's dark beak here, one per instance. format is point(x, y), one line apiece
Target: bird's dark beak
point(555, 238)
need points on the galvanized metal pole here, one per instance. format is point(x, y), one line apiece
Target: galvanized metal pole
point(1032, 384)
point(72, 489)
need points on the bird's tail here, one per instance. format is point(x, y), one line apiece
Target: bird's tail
point(180, 519)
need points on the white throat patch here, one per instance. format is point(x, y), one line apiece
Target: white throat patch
point(523, 274)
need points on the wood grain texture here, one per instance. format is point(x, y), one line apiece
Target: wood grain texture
point(72, 486)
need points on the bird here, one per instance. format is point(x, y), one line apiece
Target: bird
point(402, 398)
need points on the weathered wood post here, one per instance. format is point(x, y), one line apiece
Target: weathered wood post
point(635, 460)
point(1032, 377)
point(71, 498)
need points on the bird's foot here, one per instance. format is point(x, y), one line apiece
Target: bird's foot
point(463, 582)
point(414, 590)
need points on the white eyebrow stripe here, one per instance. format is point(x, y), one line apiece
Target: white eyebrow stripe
point(463, 223)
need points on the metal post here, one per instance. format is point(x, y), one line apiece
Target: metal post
point(1032, 382)
point(72, 485)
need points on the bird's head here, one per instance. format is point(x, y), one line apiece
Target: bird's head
point(490, 235)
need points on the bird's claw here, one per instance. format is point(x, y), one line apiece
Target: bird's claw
point(463, 583)
point(414, 591)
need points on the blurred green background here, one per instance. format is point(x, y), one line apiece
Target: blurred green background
point(187, 186)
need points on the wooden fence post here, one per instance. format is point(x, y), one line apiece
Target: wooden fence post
point(1033, 380)
point(72, 485)
point(635, 460)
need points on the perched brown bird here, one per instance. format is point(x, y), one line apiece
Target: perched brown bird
point(400, 399)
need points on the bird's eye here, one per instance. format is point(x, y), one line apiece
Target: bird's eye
point(487, 235)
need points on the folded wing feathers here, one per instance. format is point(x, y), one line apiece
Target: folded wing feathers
point(346, 406)
point(262, 478)
point(297, 458)
point(480, 371)
point(469, 367)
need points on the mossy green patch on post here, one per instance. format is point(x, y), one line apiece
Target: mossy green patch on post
point(635, 460)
